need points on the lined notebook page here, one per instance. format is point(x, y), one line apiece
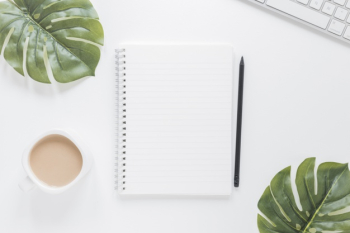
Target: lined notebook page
point(177, 108)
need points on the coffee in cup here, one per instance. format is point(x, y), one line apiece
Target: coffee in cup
point(55, 160)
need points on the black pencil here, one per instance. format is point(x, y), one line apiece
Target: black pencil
point(239, 123)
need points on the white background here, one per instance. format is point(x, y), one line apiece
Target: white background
point(297, 105)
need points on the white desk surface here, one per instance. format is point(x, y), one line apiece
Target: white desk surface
point(297, 105)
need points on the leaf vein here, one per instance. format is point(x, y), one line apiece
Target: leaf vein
point(34, 10)
point(12, 21)
point(9, 13)
point(325, 198)
point(69, 28)
point(36, 47)
point(308, 189)
point(59, 11)
point(20, 37)
point(57, 57)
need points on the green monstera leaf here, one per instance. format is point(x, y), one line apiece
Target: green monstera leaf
point(61, 35)
point(325, 206)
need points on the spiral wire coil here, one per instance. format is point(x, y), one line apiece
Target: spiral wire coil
point(120, 158)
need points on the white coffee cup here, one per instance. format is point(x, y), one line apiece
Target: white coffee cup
point(31, 181)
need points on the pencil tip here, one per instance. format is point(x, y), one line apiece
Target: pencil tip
point(242, 61)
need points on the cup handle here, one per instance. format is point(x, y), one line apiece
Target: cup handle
point(26, 184)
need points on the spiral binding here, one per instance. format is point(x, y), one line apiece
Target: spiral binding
point(121, 120)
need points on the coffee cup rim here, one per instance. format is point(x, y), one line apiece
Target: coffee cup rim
point(69, 134)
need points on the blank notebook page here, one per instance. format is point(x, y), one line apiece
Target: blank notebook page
point(175, 119)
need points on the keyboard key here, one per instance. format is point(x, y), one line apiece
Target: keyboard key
point(316, 4)
point(348, 5)
point(328, 8)
point(348, 19)
point(262, 1)
point(303, 1)
point(336, 27)
point(341, 13)
point(347, 33)
point(340, 2)
point(299, 11)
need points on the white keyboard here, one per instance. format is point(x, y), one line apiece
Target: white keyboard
point(329, 16)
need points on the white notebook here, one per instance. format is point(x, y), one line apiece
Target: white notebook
point(174, 119)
